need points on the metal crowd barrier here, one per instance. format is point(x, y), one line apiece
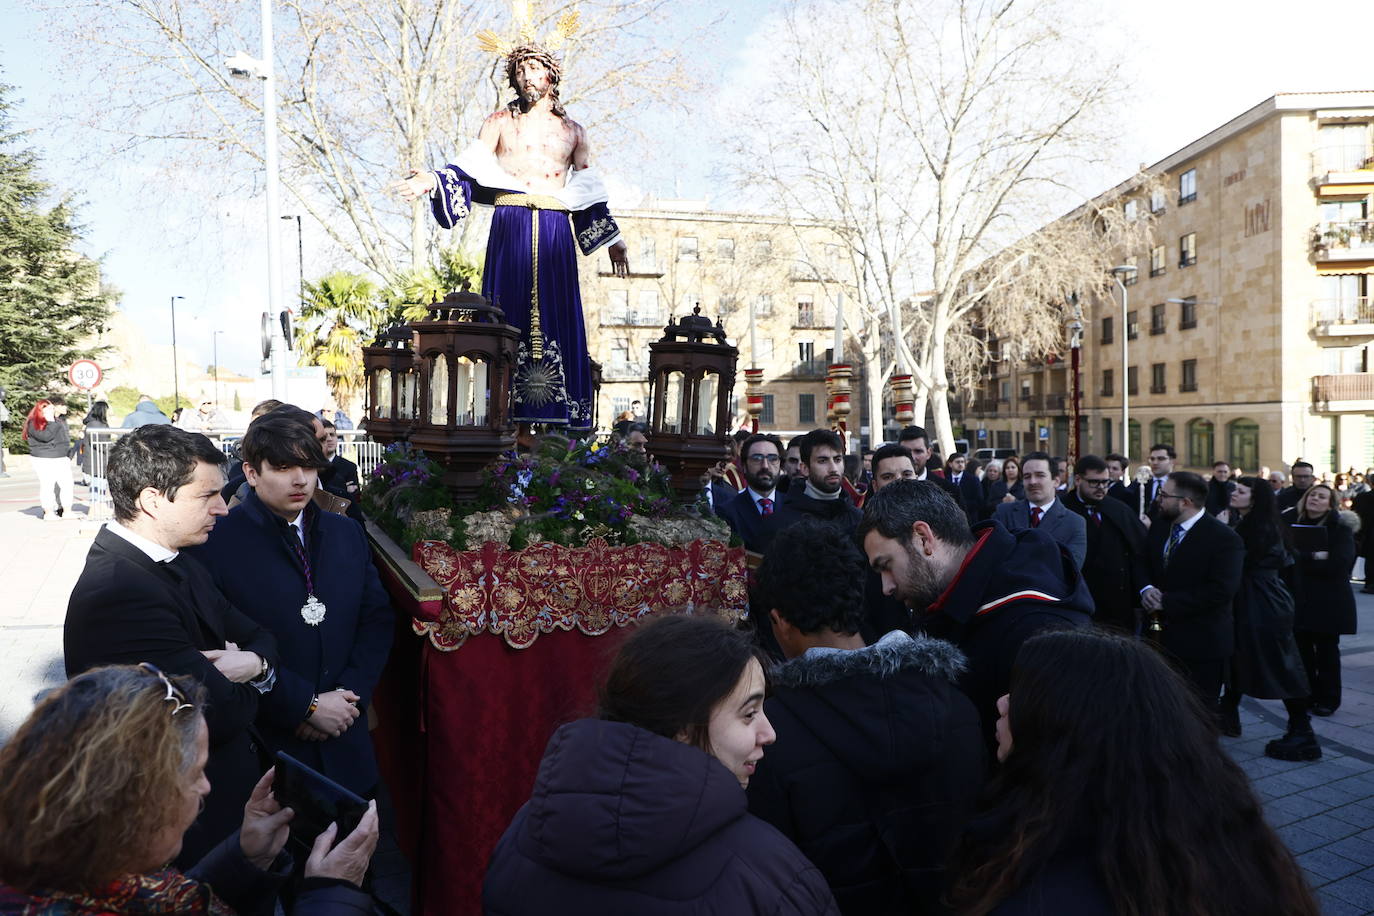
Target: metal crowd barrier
point(353, 445)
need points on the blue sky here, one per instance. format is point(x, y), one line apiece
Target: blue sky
point(1191, 67)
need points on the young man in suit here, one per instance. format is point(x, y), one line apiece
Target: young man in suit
point(966, 485)
point(1116, 567)
point(314, 587)
point(746, 512)
point(141, 599)
point(1195, 573)
point(1161, 466)
point(917, 444)
point(1116, 473)
point(1041, 510)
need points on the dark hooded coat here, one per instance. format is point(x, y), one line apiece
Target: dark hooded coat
point(878, 762)
point(624, 822)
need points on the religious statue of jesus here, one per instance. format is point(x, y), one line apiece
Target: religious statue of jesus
point(531, 163)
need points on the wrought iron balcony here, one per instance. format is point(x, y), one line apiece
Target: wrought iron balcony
point(1344, 240)
point(1352, 392)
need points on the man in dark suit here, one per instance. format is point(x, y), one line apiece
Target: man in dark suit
point(1116, 568)
point(314, 587)
point(917, 445)
point(1195, 572)
point(1303, 477)
point(758, 500)
point(967, 487)
point(140, 599)
point(1161, 466)
point(341, 477)
point(1116, 473)
point(1040, 509)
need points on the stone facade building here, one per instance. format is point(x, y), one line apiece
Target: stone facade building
point(1249, 322)
point(683, 254)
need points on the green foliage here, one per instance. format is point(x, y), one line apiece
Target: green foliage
point(51, 298)
point(238, 404)
point(339, 315)
point(402, 484)
point(410, 291)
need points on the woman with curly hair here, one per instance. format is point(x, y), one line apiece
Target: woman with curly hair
point(1325, 601)
point(97, 788)
point(1114, 797)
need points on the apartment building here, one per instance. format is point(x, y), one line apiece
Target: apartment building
point(1247, 326)
point(684, 254)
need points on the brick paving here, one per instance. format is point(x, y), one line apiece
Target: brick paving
point(1324, 810)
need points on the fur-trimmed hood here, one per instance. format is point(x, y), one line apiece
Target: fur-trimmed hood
point(895, 652)
point(1350, 520)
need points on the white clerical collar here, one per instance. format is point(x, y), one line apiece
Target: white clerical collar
point(154, 551)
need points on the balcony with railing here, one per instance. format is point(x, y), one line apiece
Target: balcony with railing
point(1351, 392)
point(1343, 322)
point(984, 407)
point(808, 369)
point(1047, 403)
point(1336, 166)
point(633, 319)
point(1344, 240)
point(624, 371)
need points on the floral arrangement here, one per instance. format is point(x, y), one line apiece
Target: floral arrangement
point(564, 491)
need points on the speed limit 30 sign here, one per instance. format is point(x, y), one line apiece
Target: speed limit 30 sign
point(84, 374)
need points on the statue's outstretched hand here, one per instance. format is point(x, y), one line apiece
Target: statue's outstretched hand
point(620, 259)
point(416, 184)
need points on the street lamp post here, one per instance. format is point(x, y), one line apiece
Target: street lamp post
point(1128, 270)
point(214, 337)
point(241, 65)
point(300, 258)
point(176, 379)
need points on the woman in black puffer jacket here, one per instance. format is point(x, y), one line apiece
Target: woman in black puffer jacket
point(642, 810)
point(50, 445)
point(1325, 601)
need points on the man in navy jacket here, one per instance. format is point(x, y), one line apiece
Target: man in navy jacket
point(746, 512)
point(307, 576)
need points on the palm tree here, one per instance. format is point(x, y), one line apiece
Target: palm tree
point(409, 292)
point(341, 313)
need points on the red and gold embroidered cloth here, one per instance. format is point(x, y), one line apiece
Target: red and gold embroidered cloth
point(520, 594)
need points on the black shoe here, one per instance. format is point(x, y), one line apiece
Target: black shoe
point(1229, 721)
point(1318, 710)
point(59, 513)
point(1292, 746)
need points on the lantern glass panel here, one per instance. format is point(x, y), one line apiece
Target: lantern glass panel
point(708, 390)
point(405, 410)
point(673, 391)
point(381, 394)
point(474, 394)
point(438, 390)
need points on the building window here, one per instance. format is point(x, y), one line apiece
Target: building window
point(1108, 383)
point(1131, 277)
point(620, 352)
point(763, 250)
point(1157, 318)
point(1131, 210)
point(687, 248)
point(1108, 444)
point(1200, 442)
point(1189, 382)
point(620, 405)
point(806, 409)
point(648, 254)
point(1133, 380)
point(618, 308)
point(1107, 325)
point(1188, 313)
point(1243, 444)
point(1132, 326)
point(648, 307)
point(763, 307)
point(1157, 378)
point(1133, 437)
point(725, 249)
point(1157, 261)
point(806, 312)
point(806, 351)
point(1187, 250)
point(765, 349)
point(1025, 389)
point(1162, 432)
point(1187, 187)
point(766, 415)
point(1157, 201)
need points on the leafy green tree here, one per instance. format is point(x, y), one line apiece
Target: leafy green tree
point(340, 314)
point(410, 291)
point(51, 298)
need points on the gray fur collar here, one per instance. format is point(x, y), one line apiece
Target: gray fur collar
point(883, 659)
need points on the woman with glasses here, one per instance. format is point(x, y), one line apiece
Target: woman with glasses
point(97, 788)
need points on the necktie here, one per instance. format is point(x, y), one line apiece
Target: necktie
point(1035, 516)
point(1095, 515)
point(765, 506)
point(1175, 536)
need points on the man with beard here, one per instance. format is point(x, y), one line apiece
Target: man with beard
point(746, 513)
point(1116, 568)
point(1195, 572)
point(821, 495)
point(986, 590)
point(1302, 479)
point(531, 163)
point(792, 472)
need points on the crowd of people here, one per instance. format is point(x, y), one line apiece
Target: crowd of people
point(957, 690)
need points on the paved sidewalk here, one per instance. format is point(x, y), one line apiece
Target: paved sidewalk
point(1324, 810)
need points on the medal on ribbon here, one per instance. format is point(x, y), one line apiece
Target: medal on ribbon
point(313, 611)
